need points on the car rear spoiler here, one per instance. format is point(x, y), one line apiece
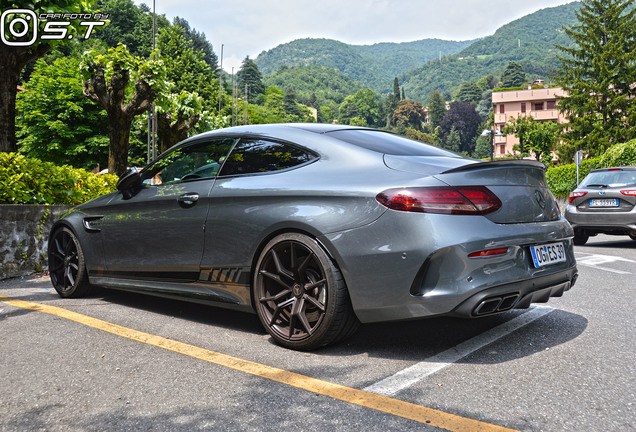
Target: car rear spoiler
point(497, 164)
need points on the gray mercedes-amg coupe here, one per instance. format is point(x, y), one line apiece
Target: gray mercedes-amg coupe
point(319, 227)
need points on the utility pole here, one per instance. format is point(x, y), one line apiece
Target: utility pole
point(221, 81)
point(245, 113)
point(154, 108)
point(233, 94)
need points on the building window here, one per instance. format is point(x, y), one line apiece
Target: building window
point(502, 149)
point(538, 106)
point(501, 109)
point(523, 107)
point(501, 128)
point(550, 105)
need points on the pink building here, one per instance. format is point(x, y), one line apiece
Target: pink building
point(540, 103)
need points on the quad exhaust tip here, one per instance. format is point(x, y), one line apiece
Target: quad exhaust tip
point(515, 300)
point(496, 304)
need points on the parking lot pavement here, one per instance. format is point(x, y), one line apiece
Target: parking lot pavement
point(567, 365)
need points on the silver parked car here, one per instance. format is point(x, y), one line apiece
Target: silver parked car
point(604, 202)
point(319, 227)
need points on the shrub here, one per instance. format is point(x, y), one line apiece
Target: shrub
point(620, 155)
point(562, 179)
point(30, 181)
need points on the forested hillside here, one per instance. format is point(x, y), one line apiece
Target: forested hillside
point(327, 85)
point(528, 41)
point(373, 65)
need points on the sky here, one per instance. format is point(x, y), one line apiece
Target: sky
point(248, 27)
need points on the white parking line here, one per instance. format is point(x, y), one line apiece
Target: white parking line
point(593, 260)
point(409, 376)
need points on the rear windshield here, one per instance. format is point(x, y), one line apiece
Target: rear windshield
point(388, 143)
point(610, 179)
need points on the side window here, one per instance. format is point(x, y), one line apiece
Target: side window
point(258, 156)
point(195, 161)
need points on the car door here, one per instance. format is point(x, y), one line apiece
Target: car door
point(158, 234)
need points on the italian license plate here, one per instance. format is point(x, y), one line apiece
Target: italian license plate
point(607, 202)
point(548, 254)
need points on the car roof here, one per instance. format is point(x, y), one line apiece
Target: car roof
point(319, 128)
point(622, 168)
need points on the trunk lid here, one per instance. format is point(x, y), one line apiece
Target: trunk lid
point(520, 185)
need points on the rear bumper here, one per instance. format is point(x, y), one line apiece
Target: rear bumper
point(602, 221)
point(410, 266)
point(518, 295)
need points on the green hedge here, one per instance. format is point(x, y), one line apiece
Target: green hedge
point(31, 181)
point(562, 179)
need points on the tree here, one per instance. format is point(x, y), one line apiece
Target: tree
point(437, 107)
point(483, 147)
point(487, 82)
point(362, 105)
point(130, 25)
point(57, 123)
point(484, 107)
point(469, 92)
point(199, 43)
point(536, 136)
point(176, 115)
point(13, 58)
point(290, 104)
point(464, 118)
point(187, 68)
point(513, 76)
point(390, 105)
point(409, 113)
point(520, 127)
point(597, 74)
point(106, 82)
point(396, 88)
point(542, 138)
point(250, 75)
point(453, 141)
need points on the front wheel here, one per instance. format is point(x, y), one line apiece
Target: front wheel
point(300, 295)
point(66, 265)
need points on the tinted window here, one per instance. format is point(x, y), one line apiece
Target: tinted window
point(388, 143)
point(192, 162)
point(259, 156)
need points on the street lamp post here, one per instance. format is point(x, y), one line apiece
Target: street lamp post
point(492, 133)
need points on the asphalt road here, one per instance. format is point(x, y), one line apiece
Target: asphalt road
point(568, 365)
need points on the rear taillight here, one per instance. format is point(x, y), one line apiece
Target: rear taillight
point(460, 200)
point(576, 194)
point(631, 192)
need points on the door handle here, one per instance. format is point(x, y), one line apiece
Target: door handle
point(188, 199)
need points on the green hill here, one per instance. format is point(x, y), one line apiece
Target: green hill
point(528, 41)
point(373, 65)
point(329, 85)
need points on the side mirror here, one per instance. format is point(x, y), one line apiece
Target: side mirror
point(129, 183)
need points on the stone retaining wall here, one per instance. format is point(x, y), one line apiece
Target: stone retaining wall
point(24, 231)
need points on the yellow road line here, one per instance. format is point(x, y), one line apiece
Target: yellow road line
point(363, 398)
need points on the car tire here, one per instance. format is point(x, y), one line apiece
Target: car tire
point(580, 238)
point(67, 267)
point(300, 294)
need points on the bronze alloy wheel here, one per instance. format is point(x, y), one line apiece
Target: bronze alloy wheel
point(301, 298)
point(66, 264)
